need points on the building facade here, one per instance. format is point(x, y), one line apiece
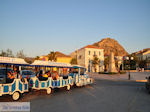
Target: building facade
point(60, 57)
point(144, 55)
point(85, 57)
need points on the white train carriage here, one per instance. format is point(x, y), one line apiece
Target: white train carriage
point(50, 84)
point(17, 87)
point(81, 78)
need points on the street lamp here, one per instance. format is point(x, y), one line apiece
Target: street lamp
point(129, 59)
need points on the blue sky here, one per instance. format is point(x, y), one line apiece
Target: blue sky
point(40, 26)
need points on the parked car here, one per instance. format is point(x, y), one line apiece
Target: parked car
point(148, 84)
point(27, 74)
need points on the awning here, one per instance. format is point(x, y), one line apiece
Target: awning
point(50, 64)
point(14, 61)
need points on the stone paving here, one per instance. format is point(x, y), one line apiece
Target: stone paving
point(135, 76)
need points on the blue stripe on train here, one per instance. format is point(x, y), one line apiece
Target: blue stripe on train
point(71, 81)
point(36, 83)
point(65, 82)
point(48, 83)
point(31, 83)
point(6, 88)
point(26, 86)
point(52, 83)
point(59, 83)
point(43, 84)
point(13, 87)
point(55, 83)
point(20, 86)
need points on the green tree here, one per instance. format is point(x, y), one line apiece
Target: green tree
point(52, 56)
point(20, 54)
point(73, 61)
point(95, 62)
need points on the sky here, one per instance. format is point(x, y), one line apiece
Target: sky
point(41, 26)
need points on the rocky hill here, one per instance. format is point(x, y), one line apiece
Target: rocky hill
point(109, 45)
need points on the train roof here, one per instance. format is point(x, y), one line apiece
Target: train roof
point(12, 61)
point(78, 66)
point(50, 64)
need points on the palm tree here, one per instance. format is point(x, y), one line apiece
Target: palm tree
point(52, 56)
point(37, 58)
point(95, 62)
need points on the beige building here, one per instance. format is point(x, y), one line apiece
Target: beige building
point(63, 58)
point(143, 55)
point(86, 55)
point(60, 57)
point(119, 61)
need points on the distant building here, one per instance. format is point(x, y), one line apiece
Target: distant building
point(43, 58)
point(60, 57)
point(143, 55)
point(86, 55)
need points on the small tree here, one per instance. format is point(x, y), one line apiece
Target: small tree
point(95, 62)
point(3, 53)
point(7, 53)
point(20, 54)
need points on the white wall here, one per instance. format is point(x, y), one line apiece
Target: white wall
point(85, 57)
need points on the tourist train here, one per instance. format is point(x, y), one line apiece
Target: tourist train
point(18, 77)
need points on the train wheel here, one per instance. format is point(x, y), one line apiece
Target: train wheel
point(49, 90)
point(16, 95)
point(68, 87)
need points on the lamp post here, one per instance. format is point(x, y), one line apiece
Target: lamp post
point(129, 59)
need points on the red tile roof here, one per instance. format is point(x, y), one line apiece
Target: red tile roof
point(90, 46)
point(59, 54)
